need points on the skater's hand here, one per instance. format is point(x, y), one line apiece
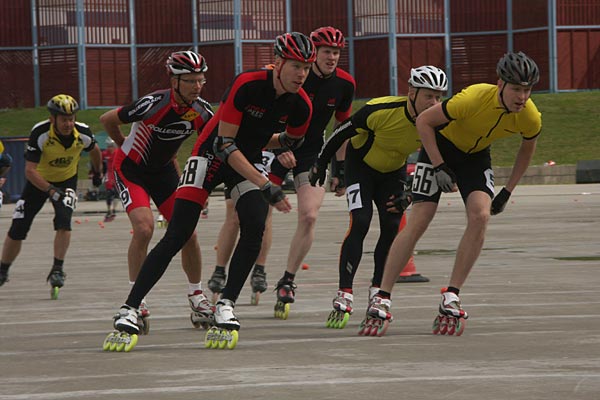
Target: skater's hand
point(56, 194)
point(445, 178)
point(317, 173)
point(287, 159)
point(275, 196)
point(500, 201)
point(398, 202)
point(337, 185)
point(97, 179)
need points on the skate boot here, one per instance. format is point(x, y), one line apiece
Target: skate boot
point(451, 319)
point(286, 290)
point(378, 318)
point(3, 277)
point(216, 283)
point(258, 281)
point(342, 309)
point(373, 290)
point(224, 333)
point(56, 278)
point(144, 316)
point(127, 326)
point(202, 311)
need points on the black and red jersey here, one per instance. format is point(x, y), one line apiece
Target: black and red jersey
point(333, 94)
point(159, 127)
point(251, 103)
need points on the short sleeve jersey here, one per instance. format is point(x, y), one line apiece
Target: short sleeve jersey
point(330, 95)
point(477, 118)
point(386, 133)
point(159, 127)
point(251, 103)
point(58, 156)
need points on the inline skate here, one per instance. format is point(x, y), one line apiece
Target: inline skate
point(56, 278)
point(342, 309)
point(216, 283)
point(451, 319)
point(224, 333)
point(378, 318)
point(258, 281)
point(286, 290)
point(144, 315)
point(3, 277)
point(202, 311)
point(128, 325)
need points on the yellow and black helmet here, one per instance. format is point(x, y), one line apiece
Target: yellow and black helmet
point(62, 104)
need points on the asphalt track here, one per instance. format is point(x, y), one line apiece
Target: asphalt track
point(533, 332)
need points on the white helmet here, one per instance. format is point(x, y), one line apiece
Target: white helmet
point(110, 143)
point(428, 77)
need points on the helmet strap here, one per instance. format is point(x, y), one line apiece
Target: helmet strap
point(278, 70)
point(502, 96)
point(321, 74)
point(413, 102)
point(176, 89)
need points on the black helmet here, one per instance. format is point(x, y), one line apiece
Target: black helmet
point(295, 46)
point(62, 104)
point(519, 69)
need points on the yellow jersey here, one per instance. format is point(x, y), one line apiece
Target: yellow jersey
point(477, 118)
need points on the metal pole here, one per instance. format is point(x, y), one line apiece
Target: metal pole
point(81, 55)
point(35, 55)
point(509, 25)
point(392, 48)
point(350, 36)
point(195, 25)
point(237, 36)
point(288, 15)
point(448, 45)
point(552, 50)
point(132, 51)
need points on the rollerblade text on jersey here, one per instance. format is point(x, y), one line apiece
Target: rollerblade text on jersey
point(258, 281)
point(56, 279)
point(224, 333)
point(286, 290)
point(451, 319)
point(378, 318)
point(216, 283)
point(127, 325)
point(342, 309)
point(202, 311)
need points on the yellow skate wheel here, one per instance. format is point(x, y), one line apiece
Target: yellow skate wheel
point(114, 342)
point(133, 339)
point(216, 338)
point(208, 338)
point(254, 298)
point(286, 311)
point(107, 341)
point(233, 341)
point(225, 334)
point(54, 293)
point(341, 324)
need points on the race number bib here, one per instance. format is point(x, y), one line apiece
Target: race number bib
point(353, 197)
point(19, 212)
point(424, 180)
point(194, 172)
point(265, 167)
point(70, 199)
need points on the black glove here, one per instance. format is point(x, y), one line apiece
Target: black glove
point(58, 194)
point(445, 177)
point(317, 174)
point(500, 201)
point(337, 171)
point(401, 201)
point(272, 193)
point(96, 179)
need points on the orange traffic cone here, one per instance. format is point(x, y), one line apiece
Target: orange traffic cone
point(409, 273)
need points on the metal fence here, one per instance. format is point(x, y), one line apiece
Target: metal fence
point(109, 52)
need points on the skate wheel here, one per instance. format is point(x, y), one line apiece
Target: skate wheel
point(342, 323)
point(208, 338)
point(254, 298)
point(451, 326)
point(232, 342)
point(282, 310)
point(460, 326)
point(145, 325)
point(361, 327)
point(330, 319)
point(54, 293)
point(443, 325)
point(130, 343)
point(224, 339)
point(375, 327)
point(383, 328)
point(108, 341)
point(436, 325)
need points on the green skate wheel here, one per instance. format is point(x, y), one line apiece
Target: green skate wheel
point(330, 320)
point(341, 324)
point(107, 341)
point(233, 341)
point(133, 339)
point(54, 293)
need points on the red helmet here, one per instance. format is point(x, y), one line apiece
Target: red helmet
point(295, 46)
point(186, 62)
point(328, 36)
